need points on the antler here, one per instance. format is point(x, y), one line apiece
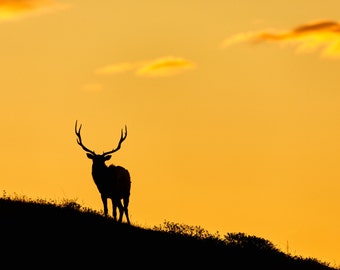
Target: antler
point(122, 138)
point(79, 139)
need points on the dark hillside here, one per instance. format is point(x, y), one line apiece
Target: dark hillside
point(46, 235)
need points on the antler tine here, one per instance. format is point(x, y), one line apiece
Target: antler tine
point(122, 138)
point(79, 141)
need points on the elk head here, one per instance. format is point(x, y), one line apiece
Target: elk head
point(99, 158)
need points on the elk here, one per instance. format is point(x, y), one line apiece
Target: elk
point(113, 182)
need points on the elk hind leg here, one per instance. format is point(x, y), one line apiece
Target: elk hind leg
point(126, 204)
point(118, 203)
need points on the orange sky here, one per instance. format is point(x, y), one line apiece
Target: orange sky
point(232, 111)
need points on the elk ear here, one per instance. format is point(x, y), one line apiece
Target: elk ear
point(90, 156)
point(107, 157)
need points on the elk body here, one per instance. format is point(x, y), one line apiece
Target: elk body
point(113, 182)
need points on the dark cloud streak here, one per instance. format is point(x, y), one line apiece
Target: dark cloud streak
point(323, 35)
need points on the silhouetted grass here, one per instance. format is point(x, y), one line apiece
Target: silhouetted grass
point(49, 234)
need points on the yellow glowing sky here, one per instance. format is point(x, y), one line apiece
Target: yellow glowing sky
point(232, 109)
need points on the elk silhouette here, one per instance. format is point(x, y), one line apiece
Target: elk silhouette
point(113, 182)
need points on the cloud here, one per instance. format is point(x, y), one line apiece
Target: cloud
point(118, 68)
point(160, 67)
point(165, 67)
point(18, 9)
point(323, 36)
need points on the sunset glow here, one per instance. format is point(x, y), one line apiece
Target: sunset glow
point(232, 110)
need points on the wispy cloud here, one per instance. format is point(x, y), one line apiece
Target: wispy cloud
point(118, 68)
point(18, 9)
point(322, 36)
point(165, 66)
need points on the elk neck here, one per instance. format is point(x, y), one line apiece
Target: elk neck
point(99, 171)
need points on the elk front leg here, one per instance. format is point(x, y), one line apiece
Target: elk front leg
point(114, 210)
point(115, 204)
point(104, 200)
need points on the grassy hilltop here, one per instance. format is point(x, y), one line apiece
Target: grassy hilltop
point(45, 234)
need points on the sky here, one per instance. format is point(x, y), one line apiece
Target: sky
point(232, 110)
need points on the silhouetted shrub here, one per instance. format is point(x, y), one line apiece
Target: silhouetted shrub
point(242, 240)
point(187, 230)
